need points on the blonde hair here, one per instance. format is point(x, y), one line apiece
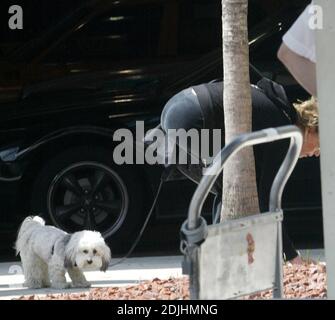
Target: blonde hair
point(307, 114)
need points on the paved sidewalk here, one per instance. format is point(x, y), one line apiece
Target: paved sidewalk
point(131, 271)
point(318, 255)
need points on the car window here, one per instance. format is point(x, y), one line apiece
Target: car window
point(199, 27)
point(37, 17)
point(183, 29)
point(200, 23)
point(119, 34)
point(150, 30)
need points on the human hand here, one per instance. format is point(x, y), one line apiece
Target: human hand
point(299, 261)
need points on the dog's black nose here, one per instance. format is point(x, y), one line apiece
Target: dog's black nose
point(89, 261)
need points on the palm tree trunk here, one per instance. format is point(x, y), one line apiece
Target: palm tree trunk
point(239, 178)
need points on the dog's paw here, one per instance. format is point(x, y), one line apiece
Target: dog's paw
point(46, 284)
point(84, 284)
point(33, 285)
point(61, 285)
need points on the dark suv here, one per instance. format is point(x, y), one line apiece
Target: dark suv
point(103, 67)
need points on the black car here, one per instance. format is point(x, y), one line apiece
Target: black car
point(103, 67)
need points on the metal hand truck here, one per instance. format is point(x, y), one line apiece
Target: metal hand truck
point(242, 256)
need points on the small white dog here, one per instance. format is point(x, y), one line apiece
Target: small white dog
point(48, 252)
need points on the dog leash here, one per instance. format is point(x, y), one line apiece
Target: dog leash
point(165, 175)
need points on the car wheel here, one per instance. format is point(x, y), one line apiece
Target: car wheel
point(82, 189)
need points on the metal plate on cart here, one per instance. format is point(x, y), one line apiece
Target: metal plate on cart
point(238, 257)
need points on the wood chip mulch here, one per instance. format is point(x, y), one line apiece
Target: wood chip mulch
point(306, 281)
point(300, 282)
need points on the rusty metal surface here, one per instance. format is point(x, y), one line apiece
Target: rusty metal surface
point(239, 257)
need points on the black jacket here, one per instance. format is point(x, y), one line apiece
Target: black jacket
point(202, 107)
point(270, 109)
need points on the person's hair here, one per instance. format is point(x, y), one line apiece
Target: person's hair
point(307, 114)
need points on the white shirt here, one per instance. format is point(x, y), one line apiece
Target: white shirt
point(300, 38)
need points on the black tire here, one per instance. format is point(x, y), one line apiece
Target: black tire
point(81, 188)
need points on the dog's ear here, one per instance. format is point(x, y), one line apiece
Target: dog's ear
point(68, 262)
point(70, 251)
point(104, 265)
point(106, 258)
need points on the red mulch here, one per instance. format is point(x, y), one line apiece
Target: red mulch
point(304, 281)
point(301, 282)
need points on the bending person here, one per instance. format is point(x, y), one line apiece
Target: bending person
point(201, 107)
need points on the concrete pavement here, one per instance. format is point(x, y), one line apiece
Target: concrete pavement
point(131, 271)
point(318, 255)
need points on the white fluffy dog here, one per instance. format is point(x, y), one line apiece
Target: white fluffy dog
point(48, 252)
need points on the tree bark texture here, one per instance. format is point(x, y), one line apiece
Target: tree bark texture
point(239, 177)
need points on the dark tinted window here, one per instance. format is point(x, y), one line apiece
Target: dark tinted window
point(155, 29)
point(38, 15)
point(200, 23)
point(199, 26)
point(120, 34)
